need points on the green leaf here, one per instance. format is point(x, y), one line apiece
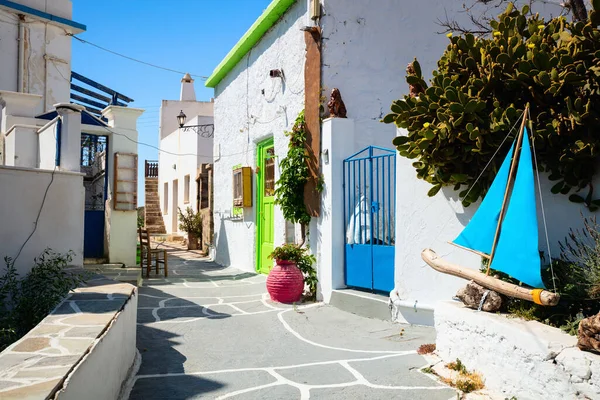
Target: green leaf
point(400, 140)
point(471, 106)
point(434, 190)
point(576, 198)
point(461, 178)
point(456, 108)
point(558, 187)
point(388, 119)
point(417, 68)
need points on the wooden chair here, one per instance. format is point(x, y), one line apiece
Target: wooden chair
point(147, 252)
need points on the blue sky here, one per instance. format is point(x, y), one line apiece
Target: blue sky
point(184, 35)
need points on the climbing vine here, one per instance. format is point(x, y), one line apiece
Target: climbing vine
point(480, 90)
point(294, 173)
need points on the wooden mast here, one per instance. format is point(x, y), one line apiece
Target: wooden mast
point(511, 178)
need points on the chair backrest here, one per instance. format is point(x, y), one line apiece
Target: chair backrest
point(144, 238)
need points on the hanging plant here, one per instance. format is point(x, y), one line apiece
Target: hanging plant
point(294, 173)
point(480, 90)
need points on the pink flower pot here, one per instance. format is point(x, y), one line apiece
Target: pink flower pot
point(285, 282)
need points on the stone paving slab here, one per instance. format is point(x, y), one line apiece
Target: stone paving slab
point(217, 336)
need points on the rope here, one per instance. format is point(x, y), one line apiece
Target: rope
point(542, 206)
point(485, 295)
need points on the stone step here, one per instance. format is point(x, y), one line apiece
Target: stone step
point(365, 304)
point(377, 306)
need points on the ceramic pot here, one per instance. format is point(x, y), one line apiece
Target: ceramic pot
point(192, 242)
point(285, 282)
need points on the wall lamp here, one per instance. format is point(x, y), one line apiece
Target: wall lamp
point(205, 131)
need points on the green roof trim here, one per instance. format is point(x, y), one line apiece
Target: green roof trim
point(268, 18)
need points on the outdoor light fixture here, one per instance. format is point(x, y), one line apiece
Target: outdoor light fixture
point(205, 131)
point(181, 119)
point(326, 156)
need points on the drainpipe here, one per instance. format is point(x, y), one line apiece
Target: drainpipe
point(21, 53)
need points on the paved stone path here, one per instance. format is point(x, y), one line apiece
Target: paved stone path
point(212, 332)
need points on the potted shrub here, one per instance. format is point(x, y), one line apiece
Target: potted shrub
point(285, 282)
point(191, 223)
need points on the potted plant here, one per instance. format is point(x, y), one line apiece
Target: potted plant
point(191, 223)
point(285, 282)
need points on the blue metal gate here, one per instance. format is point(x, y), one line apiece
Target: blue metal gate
point(94, 164)
point(369, 218)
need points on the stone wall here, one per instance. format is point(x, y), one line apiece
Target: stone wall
point(525, 359)
point(84, 349)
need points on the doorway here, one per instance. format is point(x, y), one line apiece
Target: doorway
point(265, 198)
point(175, 215)
point(94, 165)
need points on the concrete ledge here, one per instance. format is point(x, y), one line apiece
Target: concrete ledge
point(525, 359)
point(83, 350)
point(365, 304)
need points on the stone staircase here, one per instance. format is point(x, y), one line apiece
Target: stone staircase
point(153, 214)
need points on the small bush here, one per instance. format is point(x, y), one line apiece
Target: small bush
point(190, 222)
point(469, 382)
point(426, 348)
point(466, 381)
point(25, 302)
point(457, 366)
point(577, 279)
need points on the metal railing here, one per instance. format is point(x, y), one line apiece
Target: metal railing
point(151, 169)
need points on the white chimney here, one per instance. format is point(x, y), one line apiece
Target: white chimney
point(187, 89)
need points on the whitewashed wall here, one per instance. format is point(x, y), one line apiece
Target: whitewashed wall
point(182, 142)
point(422, 221)
point(47, 56)
point(170, 109)
point(244, 116)
point(60, 226)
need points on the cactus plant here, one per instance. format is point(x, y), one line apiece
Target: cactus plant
point(479, 92)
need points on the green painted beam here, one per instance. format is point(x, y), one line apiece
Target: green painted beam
point(268, 18)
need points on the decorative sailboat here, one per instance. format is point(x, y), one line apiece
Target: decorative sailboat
point(504, 230)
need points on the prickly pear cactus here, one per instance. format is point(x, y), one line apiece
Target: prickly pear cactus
point(479, 92)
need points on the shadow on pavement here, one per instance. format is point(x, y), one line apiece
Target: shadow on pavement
point(159, 356)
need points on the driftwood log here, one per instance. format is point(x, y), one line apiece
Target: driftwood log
point(472, 294)
point(543, 297)
point(588, 335)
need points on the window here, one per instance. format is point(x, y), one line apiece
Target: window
point(270, 173)
point(242, 187)
point(186, 189)
point(166, 199)
point(203, 192)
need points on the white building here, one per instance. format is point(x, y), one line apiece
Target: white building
point(42, 185)
point(366, 47)
point(184, 150)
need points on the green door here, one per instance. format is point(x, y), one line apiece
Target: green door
point(265, 221)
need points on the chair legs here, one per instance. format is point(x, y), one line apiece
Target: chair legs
point(149, 264)
point(157, 259)
point(166, 264)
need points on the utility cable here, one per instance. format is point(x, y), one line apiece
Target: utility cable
point(134, 59)
point(37, 218)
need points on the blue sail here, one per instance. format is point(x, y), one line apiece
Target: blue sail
point(517, 252)
point(479, 233)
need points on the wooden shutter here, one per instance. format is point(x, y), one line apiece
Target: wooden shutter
point(125, 182)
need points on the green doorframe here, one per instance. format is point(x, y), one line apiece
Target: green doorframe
point(263, 204)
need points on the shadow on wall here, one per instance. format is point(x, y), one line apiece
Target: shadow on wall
point(222, 249)
point(463, 216)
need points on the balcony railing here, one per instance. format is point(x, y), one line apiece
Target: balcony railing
point(151, 169)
